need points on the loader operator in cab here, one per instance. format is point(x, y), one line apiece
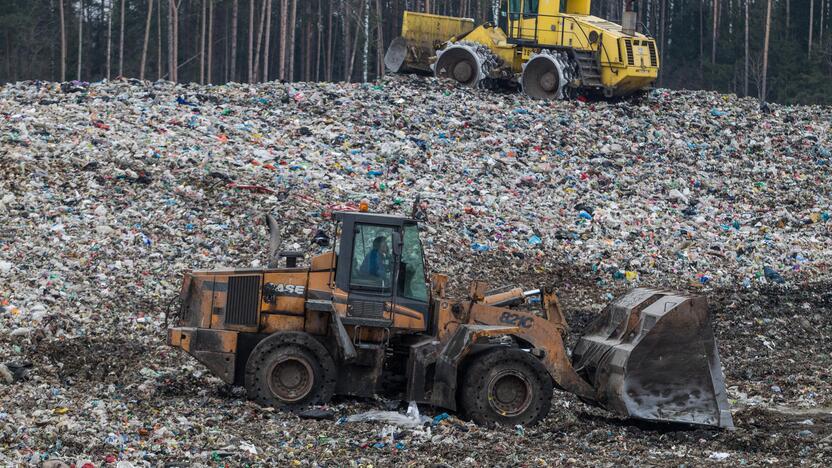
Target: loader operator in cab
point(376, 261)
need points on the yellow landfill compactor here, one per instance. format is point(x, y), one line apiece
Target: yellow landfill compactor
point(549, 51)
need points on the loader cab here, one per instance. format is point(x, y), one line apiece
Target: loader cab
point(382, 269)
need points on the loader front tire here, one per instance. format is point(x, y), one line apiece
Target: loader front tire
point(505, 386)
point(290, 370)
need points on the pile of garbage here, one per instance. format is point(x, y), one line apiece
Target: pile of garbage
point(108, 191)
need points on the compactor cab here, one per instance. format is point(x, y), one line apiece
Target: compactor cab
point(362, 318)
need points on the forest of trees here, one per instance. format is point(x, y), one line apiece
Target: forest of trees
point(704, 44)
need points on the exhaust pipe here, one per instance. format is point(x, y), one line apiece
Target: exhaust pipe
point(629, 19)
point(274, 241)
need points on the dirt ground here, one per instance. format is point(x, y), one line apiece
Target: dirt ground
point(108, 396)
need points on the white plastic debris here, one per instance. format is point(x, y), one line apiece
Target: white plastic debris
point(411, 418)
point(719, 456)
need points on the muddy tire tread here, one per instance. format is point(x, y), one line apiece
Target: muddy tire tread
point(473, 393)
point(282, 343)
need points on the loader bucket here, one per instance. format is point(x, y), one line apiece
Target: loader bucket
point(652, 355)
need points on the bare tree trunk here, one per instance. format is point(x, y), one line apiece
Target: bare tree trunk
point(345, 20)
point(63, 40)
point(788, 15)
point(820, 36)
point(284, 21)
point(235, 9)
point(109, 38)
point(811, 23)
point(307, 42)
point(159, 41)
point(380, 37)
point(172, 40)
point(765, 52)
point(701, 39)
point(227, 46)
point(320, 27)
point(268, 40)
point(329, 39)
point(715, 31)
point(80, 36)
point(9, 55)
point(260, 30)
point(175, 4)
point(121, 42)
point(354, 44)
point(365, 55)
point(251, 41)
point(209, 68)
point(745, 75)
point(292, 28)
point(146, 39)
point(662, 40)
point(204, 17)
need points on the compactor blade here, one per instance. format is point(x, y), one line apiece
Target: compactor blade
point(652, 355)
point(422, 34)
point(396, 54)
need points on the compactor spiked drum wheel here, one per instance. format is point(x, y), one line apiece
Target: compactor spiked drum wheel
point(462, 63)
point(544, 76)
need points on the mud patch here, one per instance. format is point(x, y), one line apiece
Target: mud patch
point(98, 360)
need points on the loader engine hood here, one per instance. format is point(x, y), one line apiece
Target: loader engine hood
point(652, 355)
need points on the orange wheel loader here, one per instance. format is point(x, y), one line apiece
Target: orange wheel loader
point(363, 319)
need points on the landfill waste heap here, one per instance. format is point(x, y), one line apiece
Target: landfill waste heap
point(108, 191)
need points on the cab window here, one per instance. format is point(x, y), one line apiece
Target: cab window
point(372, 258)
point(529, 8)
point(514, 9)
point(412, 271)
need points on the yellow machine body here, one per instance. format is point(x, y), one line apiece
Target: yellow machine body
point(614, 60)
point(422, 34)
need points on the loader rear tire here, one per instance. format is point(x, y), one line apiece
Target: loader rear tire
point(290, 370)
point(505, 386)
